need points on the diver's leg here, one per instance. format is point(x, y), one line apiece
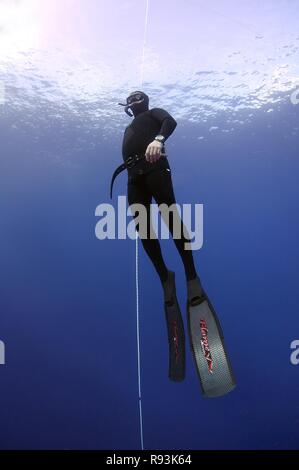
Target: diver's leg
point(139, 194)
point(159, 184)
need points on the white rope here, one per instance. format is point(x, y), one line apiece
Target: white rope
point(136, 259)
point(138, 347)
point(144, 43)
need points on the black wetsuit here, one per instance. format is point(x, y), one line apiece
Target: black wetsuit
point(153, 180)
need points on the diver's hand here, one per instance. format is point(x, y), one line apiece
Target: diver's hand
point(153, 151)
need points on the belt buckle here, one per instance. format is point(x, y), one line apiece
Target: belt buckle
point(130, 162)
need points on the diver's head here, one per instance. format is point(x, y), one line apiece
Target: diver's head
point(137, 102)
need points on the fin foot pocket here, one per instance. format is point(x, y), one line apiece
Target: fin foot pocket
point(196, 300)
point(195, 292)
point(169, 289)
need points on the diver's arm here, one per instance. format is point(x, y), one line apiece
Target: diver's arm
point(167, 122)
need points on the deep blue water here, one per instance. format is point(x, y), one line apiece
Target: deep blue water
point(68, 299)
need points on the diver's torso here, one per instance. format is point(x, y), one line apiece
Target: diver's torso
point(138, 135)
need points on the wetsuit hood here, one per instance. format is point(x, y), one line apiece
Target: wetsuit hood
point(137, 102)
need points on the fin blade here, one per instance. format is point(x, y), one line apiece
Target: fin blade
point(176, 341)
point(210, 355)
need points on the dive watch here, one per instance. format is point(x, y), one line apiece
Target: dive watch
point(160, 138)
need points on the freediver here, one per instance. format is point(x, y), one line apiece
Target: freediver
point(150, 177)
